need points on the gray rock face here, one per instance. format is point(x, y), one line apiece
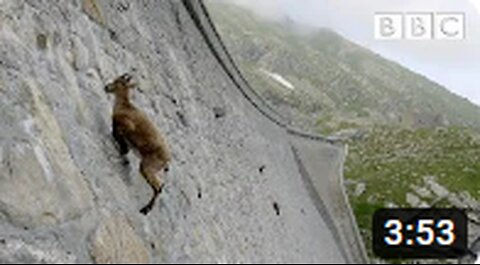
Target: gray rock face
point(17, 251)
point(437, 189)
point(114, 234)
point(412, 199)
point(66, 196)
point(359, 189)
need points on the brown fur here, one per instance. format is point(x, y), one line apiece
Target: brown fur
point(132, 129)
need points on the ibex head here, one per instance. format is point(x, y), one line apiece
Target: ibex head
point(121, 83)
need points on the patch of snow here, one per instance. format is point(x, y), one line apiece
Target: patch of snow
point(280, 79)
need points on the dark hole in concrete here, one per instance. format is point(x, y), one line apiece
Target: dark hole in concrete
point(124, 161)
point(153, 105)
point(2, 241)
point(199, 195)
point(113, 35)
point(219, 112)
point(261, 168)
point(276, 207)
point(25, 228)
point(42, 41)
point(182, 119)
point(152, 245)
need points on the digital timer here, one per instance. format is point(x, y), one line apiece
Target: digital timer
point(419, 233)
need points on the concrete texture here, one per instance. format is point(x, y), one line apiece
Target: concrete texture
point(239, 187)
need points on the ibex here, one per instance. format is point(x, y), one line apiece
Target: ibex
point(133, 129)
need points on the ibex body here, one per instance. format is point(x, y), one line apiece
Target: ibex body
point(133, 129)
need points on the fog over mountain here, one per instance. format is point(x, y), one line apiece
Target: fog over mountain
point(354, 21)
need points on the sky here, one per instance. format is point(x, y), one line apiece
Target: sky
point(454, 64)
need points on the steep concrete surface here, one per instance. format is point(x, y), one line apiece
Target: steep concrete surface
point(323, 177)
point(242, 186)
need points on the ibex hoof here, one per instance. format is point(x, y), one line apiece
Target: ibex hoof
point(145, 210)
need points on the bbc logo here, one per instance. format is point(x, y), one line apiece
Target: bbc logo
point(419, 26)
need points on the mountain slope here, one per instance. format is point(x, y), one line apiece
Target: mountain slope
point(334, 80)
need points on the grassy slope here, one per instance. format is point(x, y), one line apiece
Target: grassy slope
point(390, 160)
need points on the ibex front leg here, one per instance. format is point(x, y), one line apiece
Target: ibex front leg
point(119, 139)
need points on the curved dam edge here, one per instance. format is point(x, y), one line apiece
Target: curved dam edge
point(323, 181)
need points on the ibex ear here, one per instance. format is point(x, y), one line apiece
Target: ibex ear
point(126, 77)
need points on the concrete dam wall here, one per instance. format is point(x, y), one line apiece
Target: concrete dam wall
point(243, 185)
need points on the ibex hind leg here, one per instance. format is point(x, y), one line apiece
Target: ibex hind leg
point(147, 208)
point(148, 169)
